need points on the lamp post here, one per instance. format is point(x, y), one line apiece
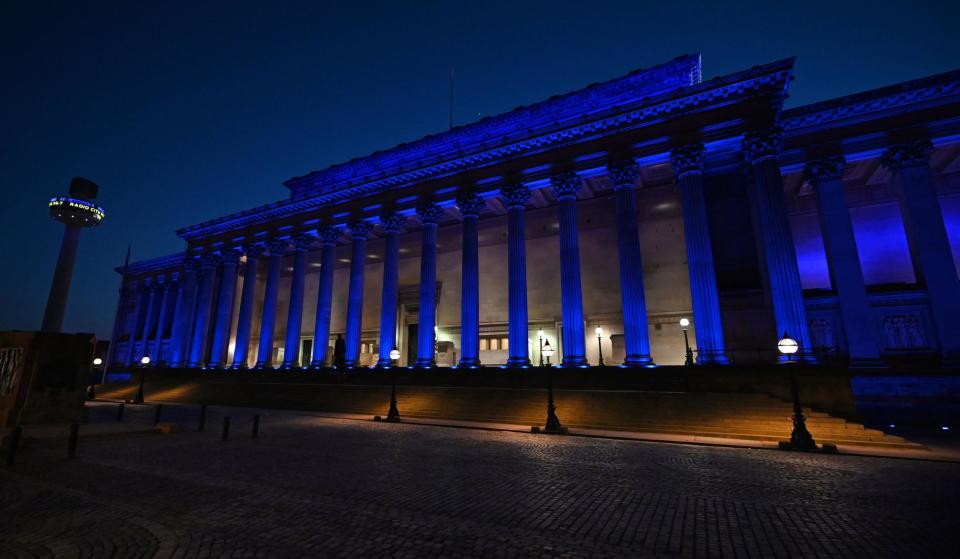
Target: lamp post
point(800, 437)
point(685, 325)
point(540, 338)
point(600, 344)
point(553, 425)
point(144, 363)
point(91, 390)
point(393, 414)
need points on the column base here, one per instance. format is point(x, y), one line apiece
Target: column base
point(469, 363)
point(425, 364)
point(385, 363)
point(288, 367)
point(263, 367)
point(518, 362)
point(715, 359)
point(638, 361)
point(574, 361)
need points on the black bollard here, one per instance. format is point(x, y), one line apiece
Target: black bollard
point(12, 444)
point(226, 428)
point(256, 426)
point(156, 417)
point(72, 442)
point(120, 412)
point(203, 418)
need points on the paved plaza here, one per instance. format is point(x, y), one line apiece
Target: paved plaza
point(317, 487)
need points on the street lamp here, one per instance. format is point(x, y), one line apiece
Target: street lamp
point(394, 356)
point(553, 426)
point(685, 325)
point(144, 363)
point(600, 345)
point(547, 352)
point(800, 437)
point(393, 414)
point(91, 390)
point(540, 337)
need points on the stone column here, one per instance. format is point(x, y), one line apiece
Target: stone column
point(470, 206)
point(329, 237)
point(624, 174)
point(224, 317)
point(139, 295)
point(516, 198)
point(393, 222)
point(843, 259)
point(426, 338)
point(152, 296)
point(291, 352)
point(778, 257)
point(566, 185)
point(927, 237)
point(205, 302)
point(168, 289)
point(360, 230)
point(268, 321)
point(241, 347)
point(183, 317)
point(687, 164)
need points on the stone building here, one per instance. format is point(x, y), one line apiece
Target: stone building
point(626, 206)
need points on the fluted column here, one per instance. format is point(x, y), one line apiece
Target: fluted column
point(291, 352)
point(470, 206)
point(205, 302)
point(566, 185)
point(268, 320)
point(624, 174)
point(393, 222)
point(778, 257)
point(169, 288)
point(516, 198)
point(153, 295)
point(241, 347)
point(360, 230)
point(927, 237)
point(843, 259)
point(329, 237)
point(224, 316)
point(140, 293)
point(426, 338)
point(183, 317)
point(687, 164)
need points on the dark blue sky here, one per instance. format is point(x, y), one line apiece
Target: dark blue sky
point(185, 111)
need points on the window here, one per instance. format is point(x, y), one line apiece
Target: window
point(484, 344)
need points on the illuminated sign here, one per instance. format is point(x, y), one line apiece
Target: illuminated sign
point(63, 202)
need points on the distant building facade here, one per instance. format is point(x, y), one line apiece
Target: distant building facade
point(627, 205)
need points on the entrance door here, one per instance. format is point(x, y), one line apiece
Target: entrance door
point(412, 331)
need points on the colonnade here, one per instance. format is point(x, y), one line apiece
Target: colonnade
point(194, 344)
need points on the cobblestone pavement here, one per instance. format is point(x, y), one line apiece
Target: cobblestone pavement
point(311, 487)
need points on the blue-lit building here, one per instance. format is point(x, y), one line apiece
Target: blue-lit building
point(624, 206)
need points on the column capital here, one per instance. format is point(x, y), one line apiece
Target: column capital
point(909, 154)
point(277, 246)
point(515, 195)
point(825, 169)
point(359, 229)
point(470, 205)
point(303, 241)
point(211, 260)
point(429, 213)
point(566, 185)
point(759, 145)
point(174, 279)
point(623, 173)
point(191, 264)
point(254, 250)
point(329, 235)
point(687, 160)
point(231, 256)
point(393, 222)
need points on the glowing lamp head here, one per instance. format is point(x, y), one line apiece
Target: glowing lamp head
point(395, 354)
point(599, 331)
point(540, 333)
point(684, 323)
point(547, 349)
point(145, 360)
point(787, 345)
point(97, 361)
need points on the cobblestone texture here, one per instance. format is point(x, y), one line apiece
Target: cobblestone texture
point(336, 488)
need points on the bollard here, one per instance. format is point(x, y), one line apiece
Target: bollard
point(156, 417)
point(72, 442)
point(256, 426)
point(226, 428)
point(120, 412)
point(12, 444)
point(203, 418)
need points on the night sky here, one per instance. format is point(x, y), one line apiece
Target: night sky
point(186, 111)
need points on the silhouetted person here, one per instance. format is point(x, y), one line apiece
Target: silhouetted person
point(340, 354)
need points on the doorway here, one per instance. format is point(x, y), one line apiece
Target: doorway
point(412, 332)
